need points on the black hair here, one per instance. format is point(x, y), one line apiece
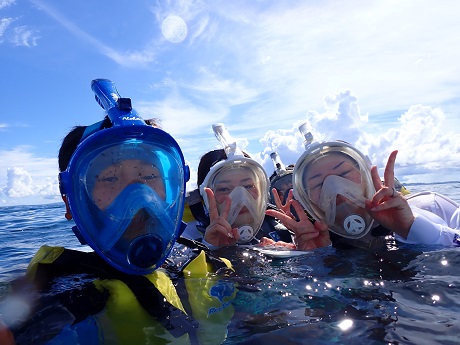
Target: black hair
point(72, 139)
point(208, 160)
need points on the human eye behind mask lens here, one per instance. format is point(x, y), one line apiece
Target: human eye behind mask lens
point(332, 181)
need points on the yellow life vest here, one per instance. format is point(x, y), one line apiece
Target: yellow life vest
point(125, 321)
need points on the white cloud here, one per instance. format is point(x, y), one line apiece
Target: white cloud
point(128, 59)
point(4, 23)
point(24, 36)
point(425, 145)
point(19, 183)
point(6, 3)
point(23, 175)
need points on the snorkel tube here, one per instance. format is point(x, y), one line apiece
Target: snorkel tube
point(119, 110)
point(136, 228)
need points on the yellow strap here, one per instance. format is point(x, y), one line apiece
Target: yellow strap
point(124, 321)
point(163, 283)
point(198, 267)
point(45, 255)
point(187, 216)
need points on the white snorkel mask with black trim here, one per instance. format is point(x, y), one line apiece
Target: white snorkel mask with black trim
point(332, 180)
point(282, 179)
point(241, 179)
point(125, 186)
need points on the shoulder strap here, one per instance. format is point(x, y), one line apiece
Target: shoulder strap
point(197, 208)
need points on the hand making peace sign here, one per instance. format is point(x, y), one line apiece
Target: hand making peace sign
point(308, 235)
point(219, 233)
point(389, 207)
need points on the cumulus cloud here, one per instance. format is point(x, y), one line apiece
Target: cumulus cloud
point(19, 183)
point(420, 136)
point(22, 175)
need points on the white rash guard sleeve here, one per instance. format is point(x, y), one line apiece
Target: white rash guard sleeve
point(428, 228)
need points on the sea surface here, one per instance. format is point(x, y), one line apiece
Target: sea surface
point(407, 296)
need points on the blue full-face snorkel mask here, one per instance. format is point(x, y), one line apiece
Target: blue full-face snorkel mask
point(251, 193)
point(125, 186)
point(332, 180)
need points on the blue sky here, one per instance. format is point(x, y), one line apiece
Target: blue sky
point(382, 75)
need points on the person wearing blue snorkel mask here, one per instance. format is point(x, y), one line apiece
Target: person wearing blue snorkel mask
point(337, 185)
point(123, 182)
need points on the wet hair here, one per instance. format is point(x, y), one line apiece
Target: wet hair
point(208, 160)
point(72, 139)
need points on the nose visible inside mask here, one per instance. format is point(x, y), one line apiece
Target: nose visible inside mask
point(240, 198)
point(123, 209)
point(334, 185)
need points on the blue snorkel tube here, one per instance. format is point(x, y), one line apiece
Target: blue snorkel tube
point(119, 110)
point(105, 229)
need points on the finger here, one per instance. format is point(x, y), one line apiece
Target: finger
point(218, 231)
point(213, 213)
point(284, 218)
point(227, 205)
point(290, 195)
point(386, 205)
point(299, 209)
point(320, 226)
point(376, 178)
point(389, 173)
point(236, 235)
point(276, 197)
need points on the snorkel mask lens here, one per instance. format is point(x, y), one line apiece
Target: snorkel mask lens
point(125, 187)
point(282, 185)
point(244, 182)
point(332, 181)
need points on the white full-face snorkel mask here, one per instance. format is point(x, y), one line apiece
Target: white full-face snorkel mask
point(332, 180)
point(244, 181)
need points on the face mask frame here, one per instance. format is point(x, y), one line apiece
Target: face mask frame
point(247, 231)
point(82, 207)
point(301, 189)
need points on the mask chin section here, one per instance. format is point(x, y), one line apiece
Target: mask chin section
point(354, 224)
point(351, 221)
point(246, 233)
point(145, 251)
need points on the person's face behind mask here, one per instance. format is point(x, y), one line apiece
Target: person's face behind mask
point(330, 164)
point(334, 185)
point(115, 178)
point(242, 187)
point(282, 186)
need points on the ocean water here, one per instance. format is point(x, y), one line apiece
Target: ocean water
point(407, 296)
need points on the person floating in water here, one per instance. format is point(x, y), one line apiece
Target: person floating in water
point(234, 188)
point(336, 184)
point(123, 183)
